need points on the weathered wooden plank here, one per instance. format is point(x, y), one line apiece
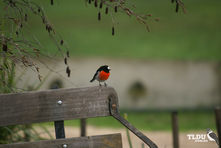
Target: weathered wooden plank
point(55, 105)
point(103, 141)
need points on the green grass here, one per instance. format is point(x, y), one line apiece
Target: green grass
point(154, 121)
point(192, 36)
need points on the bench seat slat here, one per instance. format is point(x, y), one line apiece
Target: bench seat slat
point(101, 141)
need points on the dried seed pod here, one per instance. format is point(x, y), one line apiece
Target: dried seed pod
point(106, 10)
point(46, 27)
point(115, 9)
point(16, 32)
point(89, 1)
point(4, 47)
point(62, 42)
point(49, 28)
point(101, 4)
point(36, 50)
point(95, 3)
point(65, 60)
point(21, 25)
point(39, 10)
point(12, 3)
point(39, 77)
point(26, 17)
point(68, 71)
point(157, 19)
point(68, 54)
point(177, 7)
point(37, 68)
point(99, 16)
point(52, 2)
point(172, 1)
point(113, 30)
point(43, 19)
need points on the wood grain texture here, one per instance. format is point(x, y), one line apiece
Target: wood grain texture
point(103, 141)
point(42, 106)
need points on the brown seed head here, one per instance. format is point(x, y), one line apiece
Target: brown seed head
point(106, 10)
point(99, 16)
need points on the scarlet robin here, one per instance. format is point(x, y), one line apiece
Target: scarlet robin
point(102, 74)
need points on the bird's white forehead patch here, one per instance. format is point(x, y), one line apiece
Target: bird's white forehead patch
point(108, 67)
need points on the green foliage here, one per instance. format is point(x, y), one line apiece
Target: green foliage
point(18, 133)
point(21, 133)
point(6, 134)
point(16, 48)
point(18, 43)
point(7, 74)
point(191, 36)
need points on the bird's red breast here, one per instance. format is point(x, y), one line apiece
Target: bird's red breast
point(104, 75)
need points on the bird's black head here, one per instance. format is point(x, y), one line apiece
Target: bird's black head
point(104, 68)
point(208, 130)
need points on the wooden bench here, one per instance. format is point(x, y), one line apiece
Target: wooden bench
point(64, 104)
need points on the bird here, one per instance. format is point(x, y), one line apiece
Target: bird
point(212, 136)
point(102, 74)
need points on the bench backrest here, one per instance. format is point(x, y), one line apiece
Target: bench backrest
point(59, 105)
point(55, 105)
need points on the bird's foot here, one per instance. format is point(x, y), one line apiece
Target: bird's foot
point(105, 84)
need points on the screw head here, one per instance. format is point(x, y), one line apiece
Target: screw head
point(65, 145)
point(59, 102)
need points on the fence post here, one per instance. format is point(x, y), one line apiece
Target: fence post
point(218, 123)
point(83, 127)
point(175, 130)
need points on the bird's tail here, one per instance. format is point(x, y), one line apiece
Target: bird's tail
point(92, 80)
point(94, 77)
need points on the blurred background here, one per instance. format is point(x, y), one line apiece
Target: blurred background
point(175, 66)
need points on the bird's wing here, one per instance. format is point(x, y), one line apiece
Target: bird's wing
point(213, 135)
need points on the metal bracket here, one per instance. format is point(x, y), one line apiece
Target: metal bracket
point(115, 113)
